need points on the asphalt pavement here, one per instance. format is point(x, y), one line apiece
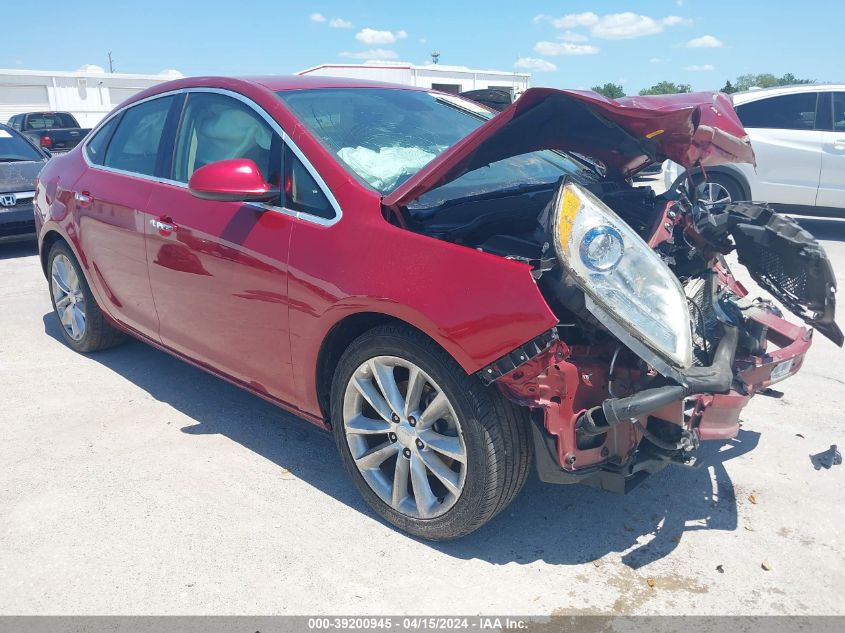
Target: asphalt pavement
point(133, 483)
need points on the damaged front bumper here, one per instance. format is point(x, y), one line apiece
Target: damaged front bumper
point(592, 425)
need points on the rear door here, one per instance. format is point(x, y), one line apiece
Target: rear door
point(832, 181)
point(111, 197)
point(218, 270)
point(787, 145)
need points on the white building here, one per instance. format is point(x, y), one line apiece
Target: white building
point(453, 79)
point(88, 93)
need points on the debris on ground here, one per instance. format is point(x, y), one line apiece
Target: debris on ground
point(799, 435)
point(650, 582)
point(827, 459)
point(752, 498)
point(766, 565)
point(720, 569)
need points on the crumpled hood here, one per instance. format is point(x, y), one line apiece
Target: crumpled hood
point(627, 135)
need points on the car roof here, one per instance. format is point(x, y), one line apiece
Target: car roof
point(252, 86)
point(762, 93)
point(299, 82)
point(275, 82)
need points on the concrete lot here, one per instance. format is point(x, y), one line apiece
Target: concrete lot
point(131, 482)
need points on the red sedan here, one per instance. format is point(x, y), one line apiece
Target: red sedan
point(455, 293)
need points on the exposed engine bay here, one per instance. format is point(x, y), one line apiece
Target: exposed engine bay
point(657, 345)
point(615, 396)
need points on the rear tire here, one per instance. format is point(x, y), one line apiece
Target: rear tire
point(81, 322)
point(473, 423)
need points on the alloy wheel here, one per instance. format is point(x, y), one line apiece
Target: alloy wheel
point(68, 297)
point(404, 437)
point(712, 193)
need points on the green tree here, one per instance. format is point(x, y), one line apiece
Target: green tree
point(768, 80)
point(728, 87)
point(790, 80)
point(666, 88)
point(609, 90)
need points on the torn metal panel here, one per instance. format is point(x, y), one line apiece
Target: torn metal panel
point(626, 135)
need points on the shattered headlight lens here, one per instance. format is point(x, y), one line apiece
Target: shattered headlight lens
point(626, 283)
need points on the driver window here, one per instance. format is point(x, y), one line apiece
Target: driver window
point(218, 127)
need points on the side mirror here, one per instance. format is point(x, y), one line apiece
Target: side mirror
point(233, 180)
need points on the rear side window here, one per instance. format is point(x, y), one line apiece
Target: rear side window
point(217, 127)
point(839, 111)
point(787, 112)
point(302, 193)
point(96, 147)
point(134, 145)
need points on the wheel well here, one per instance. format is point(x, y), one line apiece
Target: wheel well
point(739, 179)
point(335, 344)
point(46, 244)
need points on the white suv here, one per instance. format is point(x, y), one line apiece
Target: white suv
point(798, 136)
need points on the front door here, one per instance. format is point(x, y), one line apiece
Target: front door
point(218, 270)
point(832, 181)
point(787, 146)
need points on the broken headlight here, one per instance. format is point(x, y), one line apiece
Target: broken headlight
point(626, 284)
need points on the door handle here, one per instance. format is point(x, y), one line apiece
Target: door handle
point(83, 198)
point(163, 224)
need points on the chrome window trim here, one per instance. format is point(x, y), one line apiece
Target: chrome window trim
point(300, 215)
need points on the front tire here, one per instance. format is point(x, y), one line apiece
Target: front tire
point(430, 449)
point(82, 324)
point(718, 190)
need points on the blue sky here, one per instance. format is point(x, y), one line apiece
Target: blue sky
point(569, 43)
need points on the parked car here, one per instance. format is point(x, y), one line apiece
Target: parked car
point(493, 98)
point(20, 162)
point(54, 131)
point(798, 134)
point(448, 290)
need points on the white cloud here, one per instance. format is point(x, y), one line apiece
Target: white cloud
point(533, 63)
point(317, 17)
point(565, 48)
point(700, 67)
point(373, 53)
point(340, 23)
point(624, 26)
point(613, 26)
point(588, 18)
point(572, 36)
point(372, 36)
point(422, 40)
point(705, 41)
point(655, 60)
